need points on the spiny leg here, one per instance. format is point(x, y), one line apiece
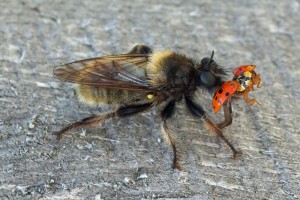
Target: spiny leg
point(167, 112)
point(212, 126)
point(227, 114)
point(94, 120)
point(198, 111)
point(168, 135)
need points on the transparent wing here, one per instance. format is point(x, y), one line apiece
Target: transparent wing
point(124, 71)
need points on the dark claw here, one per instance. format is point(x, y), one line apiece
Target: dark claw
point(235, 154)
point(59, 135)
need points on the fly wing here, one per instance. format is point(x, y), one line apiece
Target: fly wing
point(124, 71)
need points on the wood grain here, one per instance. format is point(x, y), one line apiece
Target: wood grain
point(128, 159)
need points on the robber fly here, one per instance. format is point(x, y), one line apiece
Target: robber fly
point(140, 80)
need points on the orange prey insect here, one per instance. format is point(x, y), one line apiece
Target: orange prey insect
point(244, 80)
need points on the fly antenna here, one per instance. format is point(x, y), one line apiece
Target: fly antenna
point(212, 55)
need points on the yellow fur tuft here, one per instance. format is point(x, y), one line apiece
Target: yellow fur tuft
point(156, 67)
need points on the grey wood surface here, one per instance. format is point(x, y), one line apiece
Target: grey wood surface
point(128, 159)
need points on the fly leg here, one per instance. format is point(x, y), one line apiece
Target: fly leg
point(198, 111)
point(167, 112)
point(227, 115)
point(94, 120)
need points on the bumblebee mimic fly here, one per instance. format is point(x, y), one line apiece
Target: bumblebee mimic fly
point(141, 79)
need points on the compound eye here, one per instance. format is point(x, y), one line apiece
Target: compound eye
point(208, 78)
